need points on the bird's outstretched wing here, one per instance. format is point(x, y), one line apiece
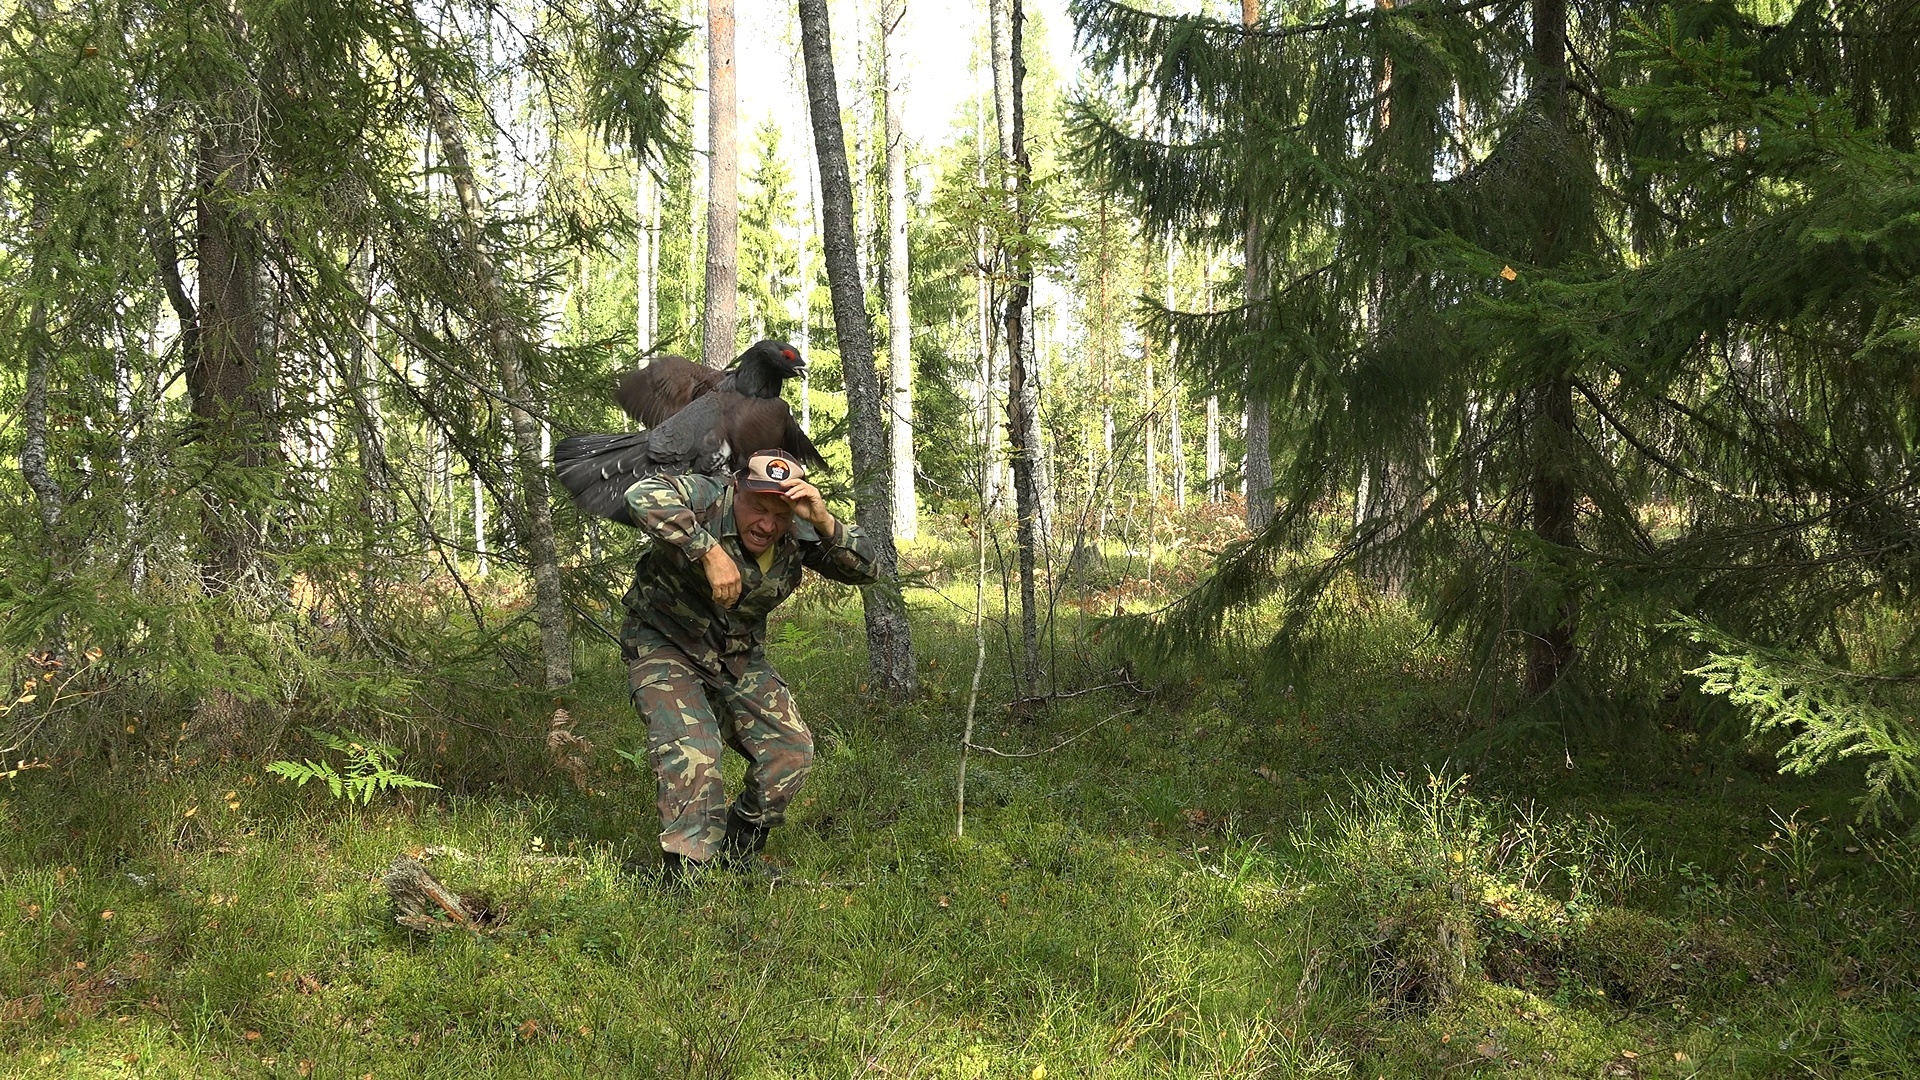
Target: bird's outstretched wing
point(654, 393)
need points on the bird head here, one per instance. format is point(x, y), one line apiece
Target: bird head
point(779, 354)
point(767, 364)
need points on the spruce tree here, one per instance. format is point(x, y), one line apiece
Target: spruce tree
point(1624, 324)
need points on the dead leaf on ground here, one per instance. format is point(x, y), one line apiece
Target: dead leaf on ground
point(569, 751)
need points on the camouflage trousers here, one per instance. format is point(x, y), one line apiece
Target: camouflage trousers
point(690, 717)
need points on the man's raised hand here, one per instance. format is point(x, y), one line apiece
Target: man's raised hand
point(809, 505)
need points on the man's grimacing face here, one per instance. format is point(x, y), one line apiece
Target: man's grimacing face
point(762, 517)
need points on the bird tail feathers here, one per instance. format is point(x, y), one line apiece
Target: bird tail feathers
point(597, 470)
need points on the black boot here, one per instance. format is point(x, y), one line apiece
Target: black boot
point(676, 872)
point(740, 849)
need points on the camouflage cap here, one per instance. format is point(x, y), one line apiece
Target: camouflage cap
point(768, 470)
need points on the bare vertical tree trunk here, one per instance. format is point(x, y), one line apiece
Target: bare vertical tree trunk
point(225, 381)
point(692, 277)
point(480, 567)
point(1259, 468)
point(1215, 489)
point(130, 437)
point(1000, 48)
point(1216, 484)
point(987, 379)
point(1104, 343)
point(39, 346)
point(807, 272)
point(534, 524)
point(653, 262)
point(980, 527)
point(1151, 419)
point(723, 183)
point(377, 501)
point(889, 640)
point(906, 506)
point(33, 445)
point(1022, 431)
point(643, 261)
point(985, 388)
point(1553, 436)
point(1027, 398)
point(1175, 402)
point(865, 98)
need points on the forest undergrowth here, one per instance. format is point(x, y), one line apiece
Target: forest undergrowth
point(1198, 873)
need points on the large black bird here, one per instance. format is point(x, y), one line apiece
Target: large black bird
point(698, 420)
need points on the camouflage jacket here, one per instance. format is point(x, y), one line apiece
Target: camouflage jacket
point(670, 594)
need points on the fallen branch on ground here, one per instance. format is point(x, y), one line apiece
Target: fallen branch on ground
point(1063, 742)
point(1126, 682)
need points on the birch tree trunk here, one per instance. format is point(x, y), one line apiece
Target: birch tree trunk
point(1216, 485)
point(1151, 419)
point(863, 138)
point(534, 526)
point(480, 567)
point(1214, 489)
point(988, 381)
point(723, 183)
point(906, 507)
point(1000, 48)
point(132, 435)
point(643, 261)
point(51, 500)
point(808, 274)
point(1175, 402)
point(889, 640)
point(377, 501)
point(33, 444)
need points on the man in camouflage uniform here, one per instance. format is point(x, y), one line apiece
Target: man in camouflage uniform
point(729, 550)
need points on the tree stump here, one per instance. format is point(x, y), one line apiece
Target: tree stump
point(421, 902)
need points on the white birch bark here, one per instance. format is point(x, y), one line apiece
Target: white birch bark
point(1176, 400)
point(1215, 491)
point(479, 527)
point(906, 506)
point(643, 260)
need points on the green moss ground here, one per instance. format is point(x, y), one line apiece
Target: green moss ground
point(1219, 882)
